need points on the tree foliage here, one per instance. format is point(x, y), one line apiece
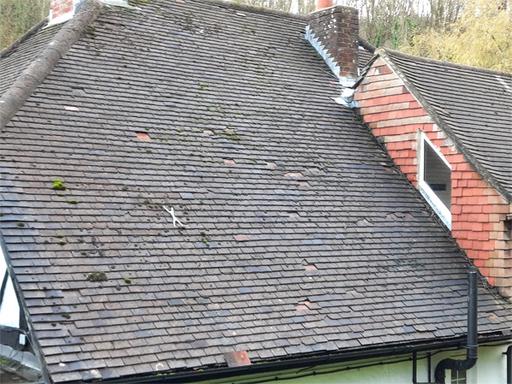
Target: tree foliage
point(393, 23)
point(473, 32)
point(481, 37)
point(17, 16)
point(293, 6)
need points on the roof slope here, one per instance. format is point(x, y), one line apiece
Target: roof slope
point(14, 60)
point(300, 236)
point(476, 107)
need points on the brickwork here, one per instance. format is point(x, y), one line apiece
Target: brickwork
point(478, 210)
point(59, 8)
point(337, 29)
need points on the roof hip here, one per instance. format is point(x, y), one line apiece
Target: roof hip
point(36, 72)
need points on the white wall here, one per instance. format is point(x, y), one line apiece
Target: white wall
point(9, 309)
point(490, 369)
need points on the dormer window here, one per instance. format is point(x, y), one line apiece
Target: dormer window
point(434, 179)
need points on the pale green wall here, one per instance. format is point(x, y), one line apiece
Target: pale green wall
point(490, 369)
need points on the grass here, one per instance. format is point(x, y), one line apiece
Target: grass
point(18, 16)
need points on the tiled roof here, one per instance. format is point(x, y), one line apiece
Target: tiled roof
point(364, 57)
point(299, 236)
point(474, 104)
point(365, 53)
point(13, 62)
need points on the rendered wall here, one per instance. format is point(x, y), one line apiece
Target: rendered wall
point(9, 307)
point(490, 369)
point(478, 210)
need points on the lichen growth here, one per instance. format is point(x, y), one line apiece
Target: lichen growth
point(127, 280)
point(90, 31)
point(230, 134)
point(72, 202)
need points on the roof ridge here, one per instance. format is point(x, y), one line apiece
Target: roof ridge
point(447, 63)
point(440, 121)
point(253, 9)
point(32, 31)
point(366, 45)
point(36, 72)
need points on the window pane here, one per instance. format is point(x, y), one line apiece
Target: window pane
point(437, 175)
point(458, 377)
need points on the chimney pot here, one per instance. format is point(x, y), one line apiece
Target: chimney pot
point(322, 4)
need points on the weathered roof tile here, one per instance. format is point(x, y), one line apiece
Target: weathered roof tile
point(474, 104)
point(175, 297)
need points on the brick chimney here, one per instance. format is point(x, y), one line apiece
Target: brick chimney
point(334, 33)
point(62, 10)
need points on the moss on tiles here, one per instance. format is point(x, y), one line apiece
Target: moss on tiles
point(97, 276)
point(58, 185)
point(90, 31)
point(72, 202)
point(204, 239)
point(230, 134)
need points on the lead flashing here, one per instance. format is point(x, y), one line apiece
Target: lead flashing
point(347, 83)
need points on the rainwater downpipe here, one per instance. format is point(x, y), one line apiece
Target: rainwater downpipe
point(472, 336)
point(509, 364)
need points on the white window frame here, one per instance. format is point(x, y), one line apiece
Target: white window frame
point(456, 379)
point(435, 202)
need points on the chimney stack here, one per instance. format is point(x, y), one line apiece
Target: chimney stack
point(61, 10)
point(322, 4)
point(334, 33)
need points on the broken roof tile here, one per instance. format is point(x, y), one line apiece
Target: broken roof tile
point(230, 294)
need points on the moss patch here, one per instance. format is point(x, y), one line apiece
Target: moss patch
point(97, 276)
point(58, 185)
point(230, 134)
